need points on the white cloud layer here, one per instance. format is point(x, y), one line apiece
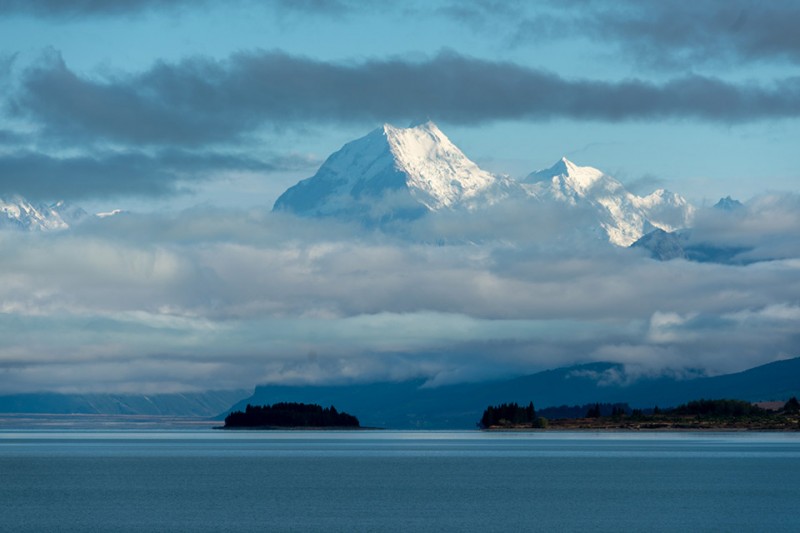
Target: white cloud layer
point(217, 299)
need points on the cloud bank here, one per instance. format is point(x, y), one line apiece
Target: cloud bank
point(209, 299)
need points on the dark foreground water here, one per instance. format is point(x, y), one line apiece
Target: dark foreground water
point(398, 481)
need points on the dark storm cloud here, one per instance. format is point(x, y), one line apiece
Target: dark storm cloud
point(329, 7)
point(6, 63)
point(678, 34)
point(168, 104)
point(688, 32)
point(108, 8)
point(10, 137)
point(200, 100)
point(663, 33)
point(478, 13)
point(59, 8)
point(39, 176)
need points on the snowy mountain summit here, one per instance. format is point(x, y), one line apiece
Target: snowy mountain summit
point(403, 173)
point(624, 216)
point(395, 173)
point(18, 213)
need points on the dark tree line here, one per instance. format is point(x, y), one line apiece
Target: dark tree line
point(599, 410)
point(589, 410)
point(510, 415)
point(697, 414)
point(289, 415)
point(714, 408)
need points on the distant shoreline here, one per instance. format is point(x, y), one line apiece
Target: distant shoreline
point(655, 427)
point(297, 428)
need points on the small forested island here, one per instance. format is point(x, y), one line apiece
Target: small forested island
point(289, 415)
point(695, 415)
point(511, 415)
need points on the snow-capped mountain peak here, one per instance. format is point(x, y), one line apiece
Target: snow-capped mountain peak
point(396, 173)
point(571, 176)
point(20, 214)
point(624, 216)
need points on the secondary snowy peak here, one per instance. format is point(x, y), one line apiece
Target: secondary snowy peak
point(394, 173)
point(624, 216)
point(570, 178)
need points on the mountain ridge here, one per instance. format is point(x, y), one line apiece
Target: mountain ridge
point(18, 213)
point(405, 173)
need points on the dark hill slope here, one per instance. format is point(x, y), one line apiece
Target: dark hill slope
point(203, 404)
point(410, 405)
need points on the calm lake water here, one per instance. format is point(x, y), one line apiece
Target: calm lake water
point(398, 481)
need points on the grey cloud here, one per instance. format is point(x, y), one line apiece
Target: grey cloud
point(673, 34)
point(199, 100)
point(110, 8)
point(145, 109)
point(6, 64)
point(56, 8)
point(686, 33)
point(35, 175)
point(329, 7)
point(763, 227)
point(644, 184)
point(10, 137)
point(478, 13)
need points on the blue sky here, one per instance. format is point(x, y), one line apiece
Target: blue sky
point(696, 143)
point(195, 115)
